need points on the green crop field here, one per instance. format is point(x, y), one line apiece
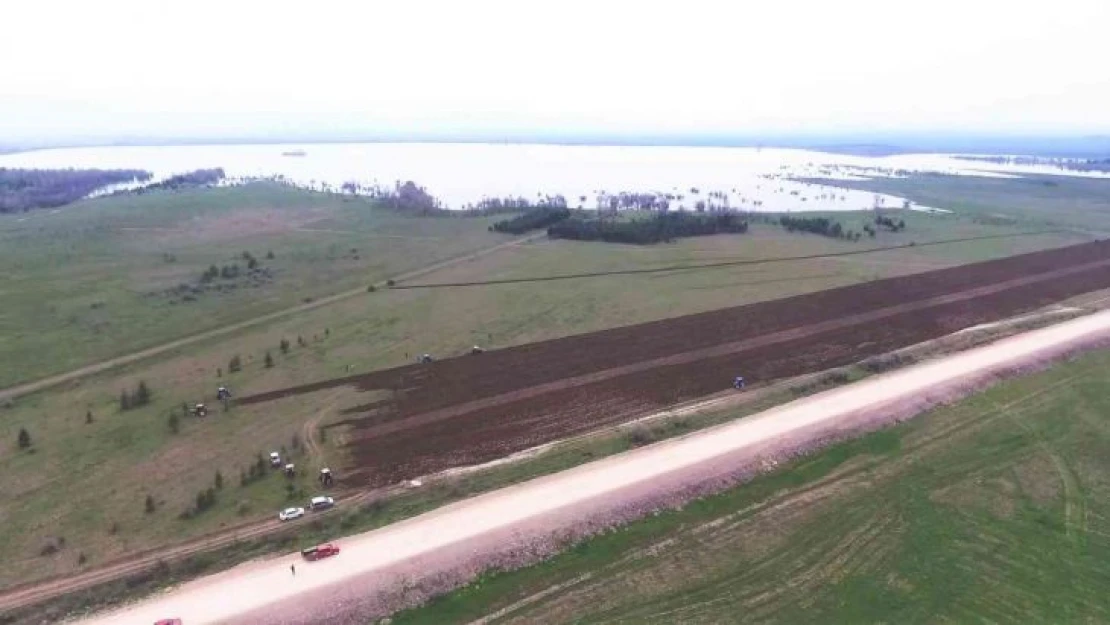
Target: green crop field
point(81, 289)
point(996, 509)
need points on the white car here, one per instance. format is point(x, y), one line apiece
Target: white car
point(321, 503)
point(289, 514)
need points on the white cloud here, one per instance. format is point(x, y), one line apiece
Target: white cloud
point(119, 66)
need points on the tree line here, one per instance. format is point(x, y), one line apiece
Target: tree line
point(534, 219)
point(655, 229)
point(196, 178)
point(22, 190)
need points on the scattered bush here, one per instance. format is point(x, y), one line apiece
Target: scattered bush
point(48, 549)
point(24, 438)
point(269, 255)
point(88, 416)
point(218, 481)
point(284, 346)
point(81, 559)
point(140, 397)
point(890, 224)
point(255, 472)
point(235, 364)
point(174, 423)
point(371, 288)
point(205, 500)
point(150, 506)
point(269, 360)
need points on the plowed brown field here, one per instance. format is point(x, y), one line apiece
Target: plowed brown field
point(476, 408)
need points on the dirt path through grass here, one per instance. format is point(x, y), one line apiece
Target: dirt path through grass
point(111, 363)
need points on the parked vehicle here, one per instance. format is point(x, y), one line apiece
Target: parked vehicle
point(319, 552)
point(169, 621)
point(321, 503)
point(289, 514)
point(275, 459)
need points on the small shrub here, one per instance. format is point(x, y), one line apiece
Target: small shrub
point(390, 282)
point(81, 559)
point(296, 442)
point(124, 400)
point(114, 528)
point(150, 506)
point(235, 364)
point(641, 436)
point(88, 416)
point(269, 362)
point(218, 481)
point(371, 288)
point(284, 345)
point(142, 395)
point(24, 438)
point(174, 423)
point(270, 255)
point(48, 549)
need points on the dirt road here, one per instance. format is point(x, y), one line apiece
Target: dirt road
point(381, 570)
point(105, 365)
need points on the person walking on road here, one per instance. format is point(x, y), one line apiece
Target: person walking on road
point(293, 569)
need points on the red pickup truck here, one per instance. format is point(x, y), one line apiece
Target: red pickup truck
point(325, 550)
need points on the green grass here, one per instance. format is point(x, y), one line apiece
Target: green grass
point(89, 479)
point(1040, 201)
point(87, 282)
point(991, 510)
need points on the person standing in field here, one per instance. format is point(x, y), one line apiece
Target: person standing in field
point(293, 569)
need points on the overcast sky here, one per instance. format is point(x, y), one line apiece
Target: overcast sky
point(176, 67)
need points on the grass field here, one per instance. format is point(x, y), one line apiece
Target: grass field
point(87, 482)
point(1041, 201)
point(991, 510)
point(89, 281)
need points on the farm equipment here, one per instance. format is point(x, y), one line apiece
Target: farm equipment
point(476, 350)
point(425, 358)
point(275, 459)
point(223, 393)
point(738, 382)
point(290, 470)
point(325, 477)
point(200, 410)
point(318, 552)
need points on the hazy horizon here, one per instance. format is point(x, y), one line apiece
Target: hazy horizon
point(130, 71)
